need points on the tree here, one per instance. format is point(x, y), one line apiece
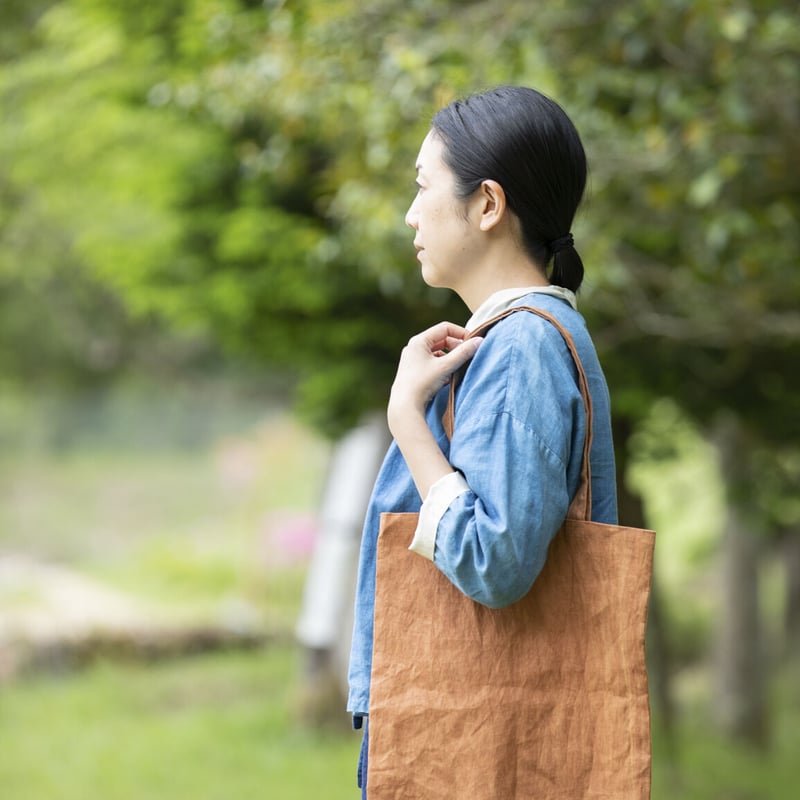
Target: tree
point(269, 214)
point(699, 104)
point(61, 328)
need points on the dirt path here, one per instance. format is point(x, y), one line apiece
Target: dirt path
point(55, 618)
point(40, 600)
point(43, 603)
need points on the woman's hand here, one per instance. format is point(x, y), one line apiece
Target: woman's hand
point(426, 364)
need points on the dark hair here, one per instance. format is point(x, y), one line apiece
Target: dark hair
point(526, 142)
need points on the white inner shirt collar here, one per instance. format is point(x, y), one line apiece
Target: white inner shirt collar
point(505, 298)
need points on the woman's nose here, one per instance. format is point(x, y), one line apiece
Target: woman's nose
point(411, 215)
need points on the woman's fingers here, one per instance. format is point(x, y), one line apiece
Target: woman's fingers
point(443, 335)
point(458, 356)
point(426, 364)
point(445, 328)
point(440, 338)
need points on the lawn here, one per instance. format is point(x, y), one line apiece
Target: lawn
point(200, 532)
point(205, 728)
point(223, 726)
point(203, 530)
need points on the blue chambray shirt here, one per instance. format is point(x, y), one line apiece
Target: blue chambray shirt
point(518, 440)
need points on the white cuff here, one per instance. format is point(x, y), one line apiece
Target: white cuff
point(439, 498)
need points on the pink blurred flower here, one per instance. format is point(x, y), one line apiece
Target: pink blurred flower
point(287, 538)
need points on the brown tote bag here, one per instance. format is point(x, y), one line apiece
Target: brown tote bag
point(545, 699)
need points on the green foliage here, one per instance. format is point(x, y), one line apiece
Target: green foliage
point(241, 170)
point(71, 178)
point(698, 765)
point(690, 115)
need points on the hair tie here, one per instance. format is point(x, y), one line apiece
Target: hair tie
point(563, 241)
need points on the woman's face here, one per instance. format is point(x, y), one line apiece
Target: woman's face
point(438, 217)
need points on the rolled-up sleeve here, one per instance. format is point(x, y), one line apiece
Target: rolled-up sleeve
point(440, 496)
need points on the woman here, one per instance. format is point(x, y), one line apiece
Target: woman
point(500, 177)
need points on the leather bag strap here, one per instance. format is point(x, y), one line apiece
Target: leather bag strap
point(581, 506)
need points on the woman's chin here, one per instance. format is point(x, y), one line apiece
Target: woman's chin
point(428, 274)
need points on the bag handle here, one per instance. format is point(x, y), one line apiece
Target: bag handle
point(581, 506)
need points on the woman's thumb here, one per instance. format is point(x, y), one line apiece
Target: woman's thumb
point(463, 353)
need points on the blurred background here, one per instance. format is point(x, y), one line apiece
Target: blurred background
point(205, 281)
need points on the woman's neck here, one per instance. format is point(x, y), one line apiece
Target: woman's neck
point(503, 270)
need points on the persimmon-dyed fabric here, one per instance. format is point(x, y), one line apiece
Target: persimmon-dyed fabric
point(545, 699)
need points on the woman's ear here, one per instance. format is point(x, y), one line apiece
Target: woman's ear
point(492, 204)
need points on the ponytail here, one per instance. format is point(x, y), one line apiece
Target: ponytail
point(567, 264)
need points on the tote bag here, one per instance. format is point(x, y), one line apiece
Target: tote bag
point(545, 699)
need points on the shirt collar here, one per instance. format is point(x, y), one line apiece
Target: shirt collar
point(501, 301)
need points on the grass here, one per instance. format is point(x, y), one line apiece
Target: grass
point(185, 529)
point(207, 728)
point(701, 766)
point(224, 726)
point(197, 529)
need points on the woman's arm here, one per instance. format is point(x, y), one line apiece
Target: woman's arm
point(518, 413)
point(426, 364)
